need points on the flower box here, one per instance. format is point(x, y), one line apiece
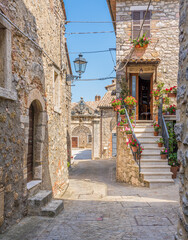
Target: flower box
point(172, 95)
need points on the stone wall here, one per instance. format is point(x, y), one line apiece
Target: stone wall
point(82, 132)
point(164, 35)
point(108, 126)
point(126, 168)
point(32, 82)
point(181, 128)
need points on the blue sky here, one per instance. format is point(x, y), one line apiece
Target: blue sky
point(100, 64)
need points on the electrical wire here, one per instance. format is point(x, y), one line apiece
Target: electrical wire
point(73, 33)
point(100, 51)
point(95, 79)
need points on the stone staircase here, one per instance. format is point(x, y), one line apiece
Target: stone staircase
point(155, 170)
point(42, 204)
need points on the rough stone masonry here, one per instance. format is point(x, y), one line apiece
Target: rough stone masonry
point(29, 78)
point(181, 127)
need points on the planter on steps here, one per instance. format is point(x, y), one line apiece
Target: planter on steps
point(163, 156)
point(173, 95)
point(122, 117)
point(160, 144)
point(134, 149)
point(174, 170)
point(156, 133)
point(129, 136)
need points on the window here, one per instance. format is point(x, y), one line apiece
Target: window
point(5, 61)
point(89, 138)
point(137, 20)
point(56, 91)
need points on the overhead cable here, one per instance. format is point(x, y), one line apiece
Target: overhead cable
point(95, 79)
point(72, 33)
point(100, 51)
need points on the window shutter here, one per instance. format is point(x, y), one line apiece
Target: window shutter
point(136, 16)
point(146, 26)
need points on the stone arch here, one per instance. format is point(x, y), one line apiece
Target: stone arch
point(36, 101)
point(82, 133)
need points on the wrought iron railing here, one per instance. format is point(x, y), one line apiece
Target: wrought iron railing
point(162, 123)
point(136, 155)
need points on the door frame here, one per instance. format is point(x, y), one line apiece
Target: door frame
point(77, 141)
point(137, 92)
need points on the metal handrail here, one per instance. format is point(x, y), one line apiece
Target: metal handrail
point(137, 154)
point(162, 123)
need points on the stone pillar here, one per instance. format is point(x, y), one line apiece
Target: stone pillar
point(126, 168)
point(1, 205)
point(181, 128)
point(96, 139)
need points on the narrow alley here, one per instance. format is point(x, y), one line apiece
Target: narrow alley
point(97, 207)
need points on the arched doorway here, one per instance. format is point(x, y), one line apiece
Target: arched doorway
point(36, 136)
point(30, 145)
point(81, 137)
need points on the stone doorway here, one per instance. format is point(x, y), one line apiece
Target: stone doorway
point(30, 145)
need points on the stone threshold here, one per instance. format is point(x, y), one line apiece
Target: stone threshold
point(33, 184)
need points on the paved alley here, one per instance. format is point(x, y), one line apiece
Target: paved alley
point(98, 208)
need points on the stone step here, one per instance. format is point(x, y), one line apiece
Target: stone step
point(143, 130)
point(150, 156)
point(144, 121)
point(155, 168)
point(149, 144)
point(146, 162)
point(149, 139)
point(41, 198)
point(53, 208)
point(157, 175)
point(144, 134)
point(158, 183)
point(151, 151)
point(140, 125)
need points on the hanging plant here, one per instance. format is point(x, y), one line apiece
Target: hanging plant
point(134, 145)
point(172, 109)
point(171, 92)
point(130, 101)
point(116, 104)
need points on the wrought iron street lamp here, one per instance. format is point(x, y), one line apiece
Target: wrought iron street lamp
point(80, 64)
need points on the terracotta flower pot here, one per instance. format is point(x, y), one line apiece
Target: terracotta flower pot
point(118, 107)
point(174, 170)
point(129, 136)
point(134, 149)
point(122, 117)
point(156, 133)
point(126, 125)
point(114, 108)
point(160, 144)
point(173, 95)
point(157, 98)
point(163, 156)
point(130, 107)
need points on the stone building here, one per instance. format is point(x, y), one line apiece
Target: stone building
point(94, 125)
point(143, 69)
point(181, 127)
point(34, 104)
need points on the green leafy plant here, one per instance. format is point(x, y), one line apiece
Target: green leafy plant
point(161, 140)
point(166, 100)
point(156, 127)
point(124, 88)
point(156, 93)
point(116, 102)
point(132, 143)
point(141, 41)
point(172, 109)
point(123, 122)
point(128, 130)
point(172, 138)
point(122, 111)
point(164, 151)
point(160, 86)
point(173, 161)
point(130, 101)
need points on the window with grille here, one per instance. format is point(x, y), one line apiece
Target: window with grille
point(137, 20)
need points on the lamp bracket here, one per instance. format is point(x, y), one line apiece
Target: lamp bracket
point(71, 77)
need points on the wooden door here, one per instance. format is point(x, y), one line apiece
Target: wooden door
point(30, 145)
point(74, 142)
point(134, 87)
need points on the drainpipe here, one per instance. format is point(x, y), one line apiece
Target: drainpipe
point(101, 133)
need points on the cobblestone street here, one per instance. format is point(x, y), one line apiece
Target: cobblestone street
point(96, 207)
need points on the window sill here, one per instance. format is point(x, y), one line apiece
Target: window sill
point(57, 109)
point(8, 94)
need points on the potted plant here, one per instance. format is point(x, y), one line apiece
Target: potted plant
point(156, 129)
point(133, 144)
point(130, 101)
point(116, 104)
point(123, 123)
point(128, 132)
point(156, 94)
point(172, 109)
point(164, 153)
point(174, 165)
point(122, 113)
point(160, 142)
point(141, 42)
point(171, 92)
